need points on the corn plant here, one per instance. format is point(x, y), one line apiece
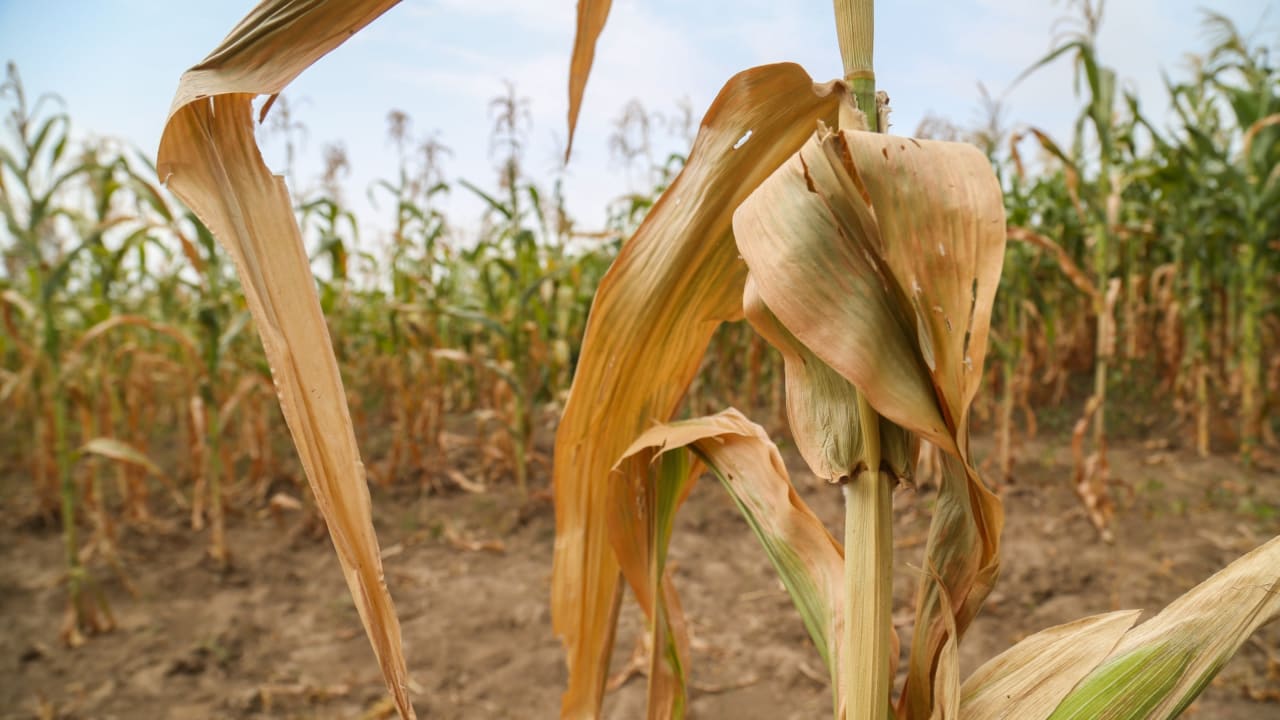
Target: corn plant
point(1243, 78)
point(63, 290)
point(1098, 199)
point(787, 181)
point(798, 206)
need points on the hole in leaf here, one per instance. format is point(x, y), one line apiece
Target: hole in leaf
point(742, 140)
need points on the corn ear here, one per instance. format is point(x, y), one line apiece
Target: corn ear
point(652, 317)
point(822, 406)
point(209, 158)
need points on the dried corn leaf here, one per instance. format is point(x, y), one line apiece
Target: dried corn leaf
point(121, 451)
point(882, 256)
point(1027, 681)
point(810, 236)
point(946, 681)
point(209, 159)
point(1068, 266)
point(809, 561)
point(963, 556)
point(903, 233)
point(591, 17)
point(650, 322)
point(645, 495)
point(183, 341)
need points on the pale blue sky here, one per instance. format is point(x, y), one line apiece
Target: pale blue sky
point(117, 62)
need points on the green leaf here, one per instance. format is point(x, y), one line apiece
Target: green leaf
point(1030, 679)
point(1159, 667)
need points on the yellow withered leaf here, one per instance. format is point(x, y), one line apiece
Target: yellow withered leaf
point(1077, 276)
point(650, 322)
point(810, 238)
point(882, 255)
point(210, 160)
point(591, 18)
point(174, 333)
point(645, 494)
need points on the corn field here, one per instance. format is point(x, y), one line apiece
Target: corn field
point(968, 331)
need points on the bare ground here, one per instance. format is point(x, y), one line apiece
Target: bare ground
point(276, 635)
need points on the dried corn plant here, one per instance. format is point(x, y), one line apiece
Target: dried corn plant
point(887, 350)
point(785, 182)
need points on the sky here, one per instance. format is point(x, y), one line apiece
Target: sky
point(116, 64)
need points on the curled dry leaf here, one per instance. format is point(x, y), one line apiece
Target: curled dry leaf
point(822, 406)
point(881, 255)
point(209, 158)
point(1089, 474)
point(652, 317)
point(121, 451)
point(809, 561)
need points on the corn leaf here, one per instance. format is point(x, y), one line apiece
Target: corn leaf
point(121, 451)
point(1074, 273)
point(902, 232)
point(652, 317)
point(591, 17)
point(1027, 681)
point(809, 561)
point(209, 159)
point(174, 333)
point(1162, 665)
point(962, 553)
point(882, 256)
point(946, 680)
point(645, 495)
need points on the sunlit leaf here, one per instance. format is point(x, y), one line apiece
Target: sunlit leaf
point(1161, 666)
point(209, 158)
point(653, 315)
point(882, 256)
point(591, 18)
